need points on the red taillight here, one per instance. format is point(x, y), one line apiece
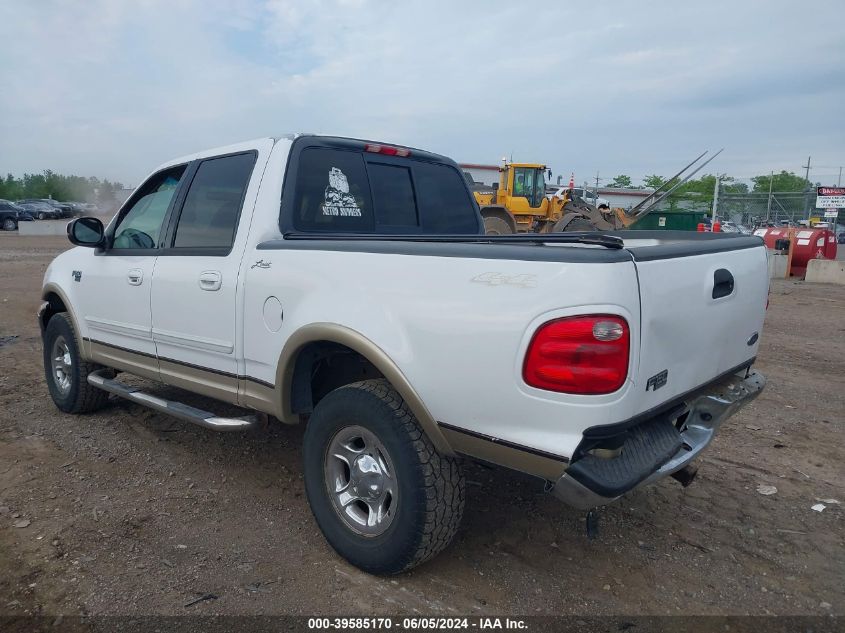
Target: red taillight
point(582, 354)
point(389, 150)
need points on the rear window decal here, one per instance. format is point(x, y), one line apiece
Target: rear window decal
point(338, 200)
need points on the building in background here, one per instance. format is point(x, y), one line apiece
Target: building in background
point(624, 198)
point(485, 174)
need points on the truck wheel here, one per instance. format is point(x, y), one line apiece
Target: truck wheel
point(66, 372)
point(578, 224)
point(384, 498)
point(9, 224)
point(496, 226)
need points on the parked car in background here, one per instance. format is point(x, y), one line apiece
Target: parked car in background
point(585, 194)
point(77, 208)
point(90, 207)
point(65, 209)
point(11, 214)
point(841, 238)
point(41, 210)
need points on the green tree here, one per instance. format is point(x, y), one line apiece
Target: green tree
point(622, 181)
point(697, 194)
point(654, 181)
point(784, 181)
point(49, 184)
point(10, 188)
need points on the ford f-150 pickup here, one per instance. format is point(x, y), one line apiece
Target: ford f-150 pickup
point(347, 285)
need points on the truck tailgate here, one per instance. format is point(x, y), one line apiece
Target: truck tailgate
point(702, 310)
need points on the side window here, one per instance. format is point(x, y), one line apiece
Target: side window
point(212, 207)
point(141, 224)
point(332, 192)
point(393, 195)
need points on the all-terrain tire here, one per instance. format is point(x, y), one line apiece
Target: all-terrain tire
point(80, 396)
point(494, 225)
point(430, 486)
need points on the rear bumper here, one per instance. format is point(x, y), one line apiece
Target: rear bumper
point(659, 447)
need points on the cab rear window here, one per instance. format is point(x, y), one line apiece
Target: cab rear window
point(348, 191)
point(333, 192)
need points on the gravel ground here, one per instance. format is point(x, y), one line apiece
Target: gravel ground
point(129, 512)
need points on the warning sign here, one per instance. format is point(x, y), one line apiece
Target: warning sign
point(830, 197)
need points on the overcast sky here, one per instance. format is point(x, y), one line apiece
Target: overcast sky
point(111, 89)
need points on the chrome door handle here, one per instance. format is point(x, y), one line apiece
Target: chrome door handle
point(135, 277)
point(211, 280)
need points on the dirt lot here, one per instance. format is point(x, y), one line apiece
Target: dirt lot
point(132, 512)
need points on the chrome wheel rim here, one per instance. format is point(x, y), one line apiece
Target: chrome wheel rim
point(62, 364)
point(360, 481)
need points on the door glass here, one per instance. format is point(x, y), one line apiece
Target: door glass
point(140, 226)
point(212, 207)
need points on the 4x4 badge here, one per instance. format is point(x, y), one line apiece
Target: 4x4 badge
point(657, 381)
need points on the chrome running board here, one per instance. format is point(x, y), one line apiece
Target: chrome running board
point(176, 409)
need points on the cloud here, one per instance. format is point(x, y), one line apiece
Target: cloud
point(112, 89)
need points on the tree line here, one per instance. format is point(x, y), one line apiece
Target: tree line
point(785, 181)
point(697, 194)
point(49, 184)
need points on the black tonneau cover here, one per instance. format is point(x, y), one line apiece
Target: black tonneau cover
point(526, 246)
point(675, 244)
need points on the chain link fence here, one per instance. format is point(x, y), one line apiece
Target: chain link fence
point(756, 209)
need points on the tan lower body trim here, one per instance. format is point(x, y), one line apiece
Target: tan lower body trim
point(263, 398)
point(207, 383)
point(116, 358)
point(505, 455)
point(218, 386)
point(334, 333)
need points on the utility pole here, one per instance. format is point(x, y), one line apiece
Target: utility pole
point(597, 182)
point(839, 182)
point(769, 204)
point(807, 189)
point(715, 200)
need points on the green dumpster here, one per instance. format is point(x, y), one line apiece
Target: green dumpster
point(670, 221)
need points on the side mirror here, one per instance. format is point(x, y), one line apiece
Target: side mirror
point(86, 232)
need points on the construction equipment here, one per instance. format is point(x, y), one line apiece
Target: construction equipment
point(519, 204)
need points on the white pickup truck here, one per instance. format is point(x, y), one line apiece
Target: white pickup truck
point(347, 285)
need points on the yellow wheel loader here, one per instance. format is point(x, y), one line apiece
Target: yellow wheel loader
point(518, 203)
